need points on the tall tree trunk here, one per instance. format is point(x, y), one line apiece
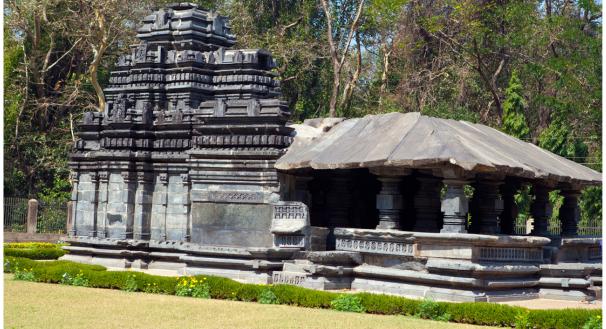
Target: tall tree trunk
point(337, 65)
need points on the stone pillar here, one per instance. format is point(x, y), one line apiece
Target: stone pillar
point(301, 192)
point(158, 217)
point(455, 206)
point(143, 206)
point(541, 210)
point(94, 180)
point(75, 175)
point(69, 218)
point(570, 213)
point(32, 216)
point(510, 209)
point(102, 204)
point(178, 208)
point(427, 204)
point(390, 201)
point(338, 201)
point(486, 207)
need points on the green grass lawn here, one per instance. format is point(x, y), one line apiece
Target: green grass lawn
point(39, 305)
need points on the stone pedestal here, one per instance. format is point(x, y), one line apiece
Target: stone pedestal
point(570, 213)
point(455, 207)
point(427, 204)
point(389, 203)
point(486, 207)
point(510, 209)
point(541, 210)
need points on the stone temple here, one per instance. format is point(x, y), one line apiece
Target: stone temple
point(194, 166)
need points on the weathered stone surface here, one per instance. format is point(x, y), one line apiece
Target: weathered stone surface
point(413, 140)
point(245, 225)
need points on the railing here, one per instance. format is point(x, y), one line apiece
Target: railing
point(52, 216)
point(592, 227)
point(15, 214)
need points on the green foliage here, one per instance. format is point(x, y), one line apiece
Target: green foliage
point(40, 253)
point(521, 320)
point(347, 303)
point(267, 297)
point(193, 287)
point(131, 283)
point(595, 322)
point(24, 274)
point(432, 310)
point(514, 120)
point(223, 288)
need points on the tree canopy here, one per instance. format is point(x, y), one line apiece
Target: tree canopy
point(531, 68)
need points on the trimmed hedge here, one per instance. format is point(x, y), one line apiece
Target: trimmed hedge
point(33, 245)
point(38, 253)
point(223, 288)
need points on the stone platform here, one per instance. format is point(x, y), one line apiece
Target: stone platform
point(455, 267)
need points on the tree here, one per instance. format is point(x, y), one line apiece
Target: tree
point(514, 120)
point(337, 63)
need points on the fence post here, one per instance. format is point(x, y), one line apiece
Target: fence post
point(68, 220)
point(32, 216)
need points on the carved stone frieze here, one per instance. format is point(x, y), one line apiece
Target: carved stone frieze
point(376, 247)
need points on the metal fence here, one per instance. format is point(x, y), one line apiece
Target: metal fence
point(15, 214)
point(52, 216)
point(592, 227)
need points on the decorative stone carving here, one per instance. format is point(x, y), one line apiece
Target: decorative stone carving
point(284, 278)
point(375, 247)
point(236, 197)
point(289, 218)
point(510, 254)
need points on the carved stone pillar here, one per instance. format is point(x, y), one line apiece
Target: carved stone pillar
point(455, 206)
point(102, 204)
point(510, 209)
point(159, 202)
point(390, 201)
point(143, 205)
point(570, 213)
point(338, 201)
point(94, 179)
point(427, 204)
point(486, 207)
point(75, 180)
point(541, 210)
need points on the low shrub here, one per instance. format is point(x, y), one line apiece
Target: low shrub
point(38, 253)
point(595, 322)
point(34, 245)
point(347, 303)
point(224, 288)
point(432, 310)
point(131, 283)
point(267, 296)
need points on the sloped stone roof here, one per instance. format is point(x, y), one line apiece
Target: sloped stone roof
point(415, 141)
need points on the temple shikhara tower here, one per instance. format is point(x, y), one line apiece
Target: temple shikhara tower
point(194, 166)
